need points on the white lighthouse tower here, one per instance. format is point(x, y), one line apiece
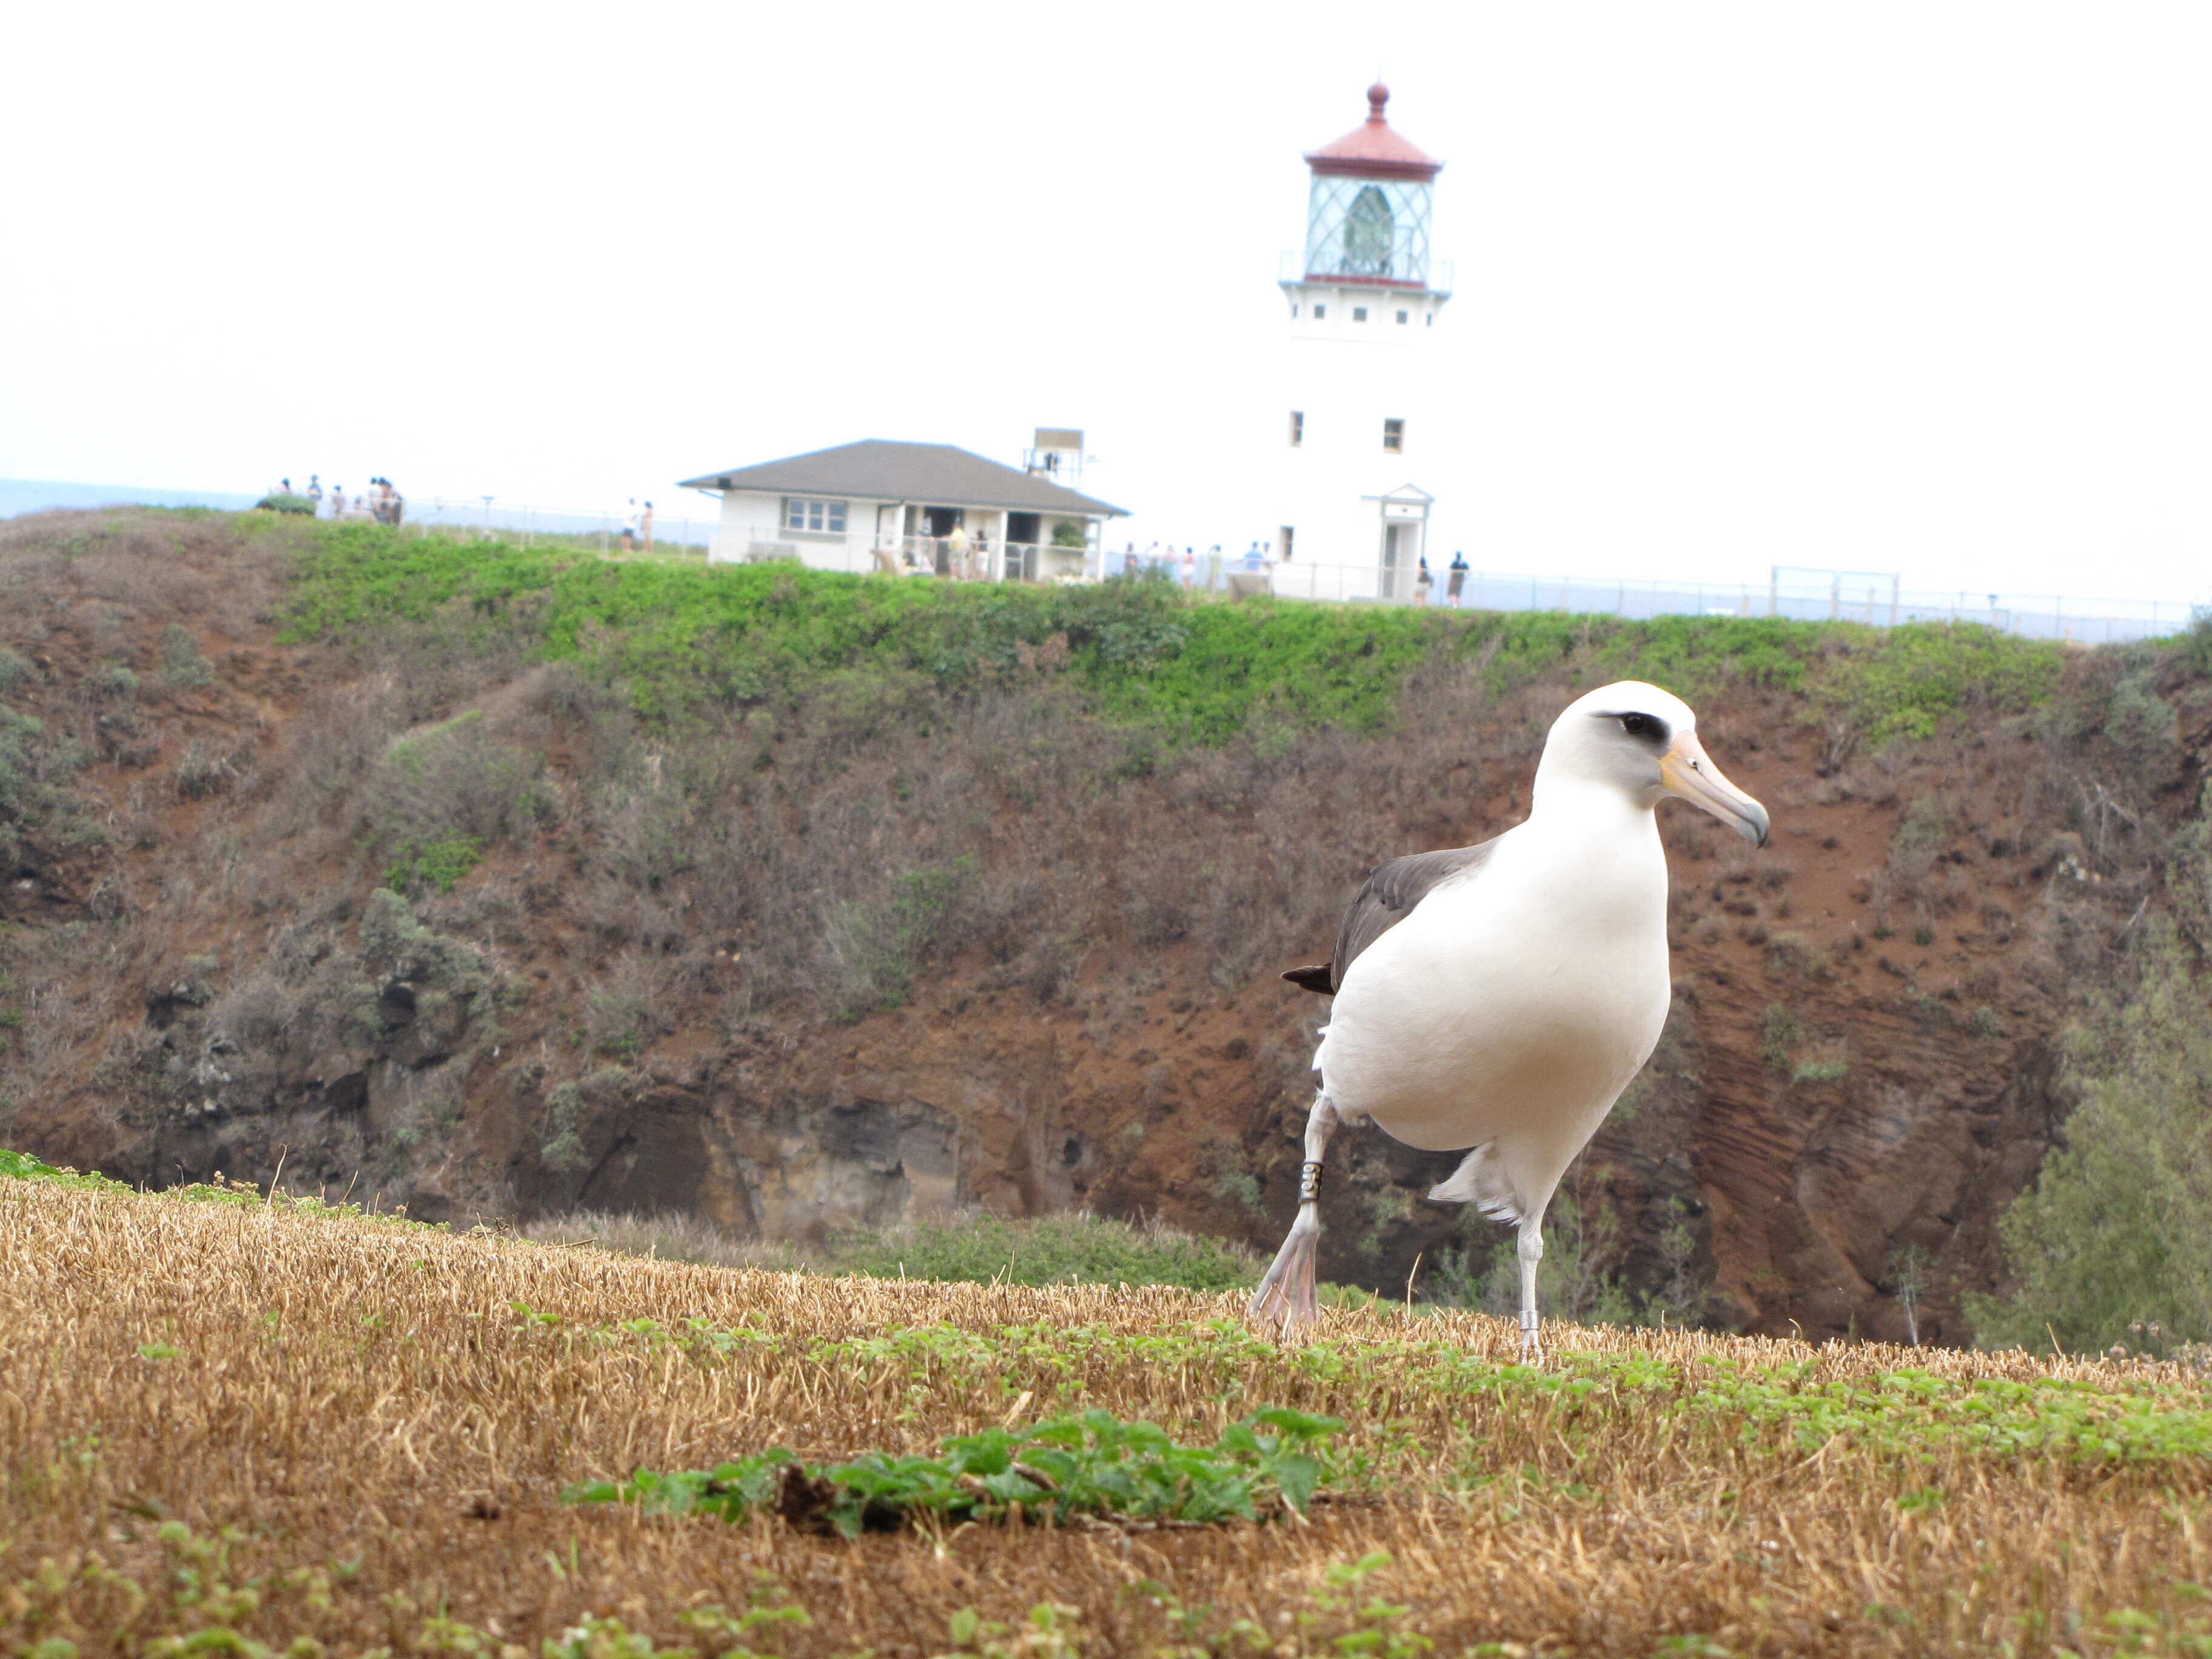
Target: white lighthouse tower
point(1360, 419)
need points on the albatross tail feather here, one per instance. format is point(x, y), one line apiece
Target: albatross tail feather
point(1481, 1181)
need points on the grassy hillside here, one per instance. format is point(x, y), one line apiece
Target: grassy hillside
point(677, 635)
point(511, 883)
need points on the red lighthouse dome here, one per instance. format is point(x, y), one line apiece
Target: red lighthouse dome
point(1374, 148)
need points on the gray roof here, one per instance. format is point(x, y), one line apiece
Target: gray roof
point(934, 475)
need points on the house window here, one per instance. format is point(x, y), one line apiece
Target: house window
point(1294, 311)
point(1402, 316)
point(1359, 313)
point(818, 518)
point(1320, 312)
point(1429, 320)
point(1394, 436)
point(1297, 427)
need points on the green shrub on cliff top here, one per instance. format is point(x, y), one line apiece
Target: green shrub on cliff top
point(1900, 682)
point(680, 635)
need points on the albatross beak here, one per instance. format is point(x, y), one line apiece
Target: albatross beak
point(1690, 774)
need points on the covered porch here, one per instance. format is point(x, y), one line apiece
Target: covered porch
point(985, 543)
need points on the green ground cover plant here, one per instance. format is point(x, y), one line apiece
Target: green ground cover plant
point(1789, 1408)
point(1093, 1464)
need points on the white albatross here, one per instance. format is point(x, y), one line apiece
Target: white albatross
point(1501, 996)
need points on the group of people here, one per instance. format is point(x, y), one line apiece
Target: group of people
point(955, 554)
point(1208, 573)
point(382, 504)
point(1455, 580)
point(1196, 573)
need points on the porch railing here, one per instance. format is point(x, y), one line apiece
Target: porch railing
point(978, 560)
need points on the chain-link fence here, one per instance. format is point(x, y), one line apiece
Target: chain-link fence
point(570, 527)
point(1876, 598)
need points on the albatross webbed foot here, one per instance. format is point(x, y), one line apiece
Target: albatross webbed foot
point(1531, 1346)
point(1287, 1298)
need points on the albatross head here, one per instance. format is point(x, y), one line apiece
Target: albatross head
point(1644, 742)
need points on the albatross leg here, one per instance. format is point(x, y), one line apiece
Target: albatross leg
point(1531, 1251)
point(1286, 1294)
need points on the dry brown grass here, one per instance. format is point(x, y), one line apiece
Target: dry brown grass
point(352, 1419)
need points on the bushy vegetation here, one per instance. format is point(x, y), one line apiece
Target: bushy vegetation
point(1058, 1249)
point(2114, 1243)
point(679, 636)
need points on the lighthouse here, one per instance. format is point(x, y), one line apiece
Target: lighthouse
point(1359, 420)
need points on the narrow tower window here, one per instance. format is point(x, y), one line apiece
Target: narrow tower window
point(1394, 436)
point(1297, 427)
point(1289, 530)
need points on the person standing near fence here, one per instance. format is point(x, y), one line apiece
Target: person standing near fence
point(1423, 581)
point(645, 524)
point(1456, 578)
point(629, 525)
point(337, 501)
point(315, 489)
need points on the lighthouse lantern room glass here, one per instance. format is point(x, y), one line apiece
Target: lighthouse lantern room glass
point(1372, 228)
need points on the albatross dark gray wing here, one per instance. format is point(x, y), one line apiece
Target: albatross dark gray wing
point(1388, 897)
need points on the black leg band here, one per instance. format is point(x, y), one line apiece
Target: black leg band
point(1309, 1183)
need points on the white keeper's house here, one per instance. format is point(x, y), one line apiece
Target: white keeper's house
point(899, 507)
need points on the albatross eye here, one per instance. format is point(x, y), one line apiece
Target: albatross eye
point(1645, 727)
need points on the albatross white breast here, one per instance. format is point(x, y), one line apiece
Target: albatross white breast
point(1499, 997)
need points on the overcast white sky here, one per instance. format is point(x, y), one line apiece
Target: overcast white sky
point(1916, 287)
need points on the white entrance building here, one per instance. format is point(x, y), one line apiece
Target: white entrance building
point(900, 507)
point(1360, 423)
